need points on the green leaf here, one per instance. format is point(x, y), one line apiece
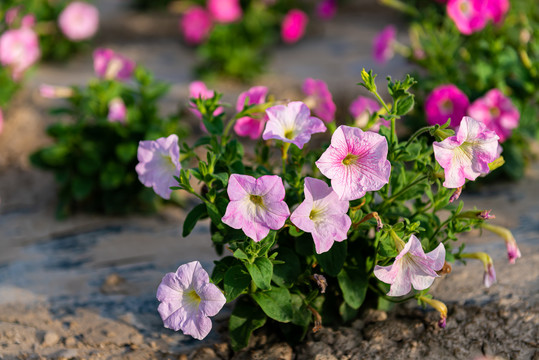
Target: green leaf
point(276, 303)
point(286, 274)
point(245, 318)
point(332, 261)
point(235, 282)
point(261, 271)
point(192, 218)
point(353, 283)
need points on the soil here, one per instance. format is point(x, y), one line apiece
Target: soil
point(84, 288)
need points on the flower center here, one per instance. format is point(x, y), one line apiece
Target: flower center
point(257, 200)
point(350, 159)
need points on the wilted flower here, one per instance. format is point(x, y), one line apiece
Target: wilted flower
point(319, 99)
point(19, 49)
point(497, 112)
point(468, 15)
point(117, 110)
point(412, 267)
point(256, 205)
point(159, 162)
point(188, 299)
point(444, 102)
point(467, 154)
point(496, 10)
point(195, 25)
point(322, 214)
point(111, 65)
point(225, 11)
point(247, 125)
point(292, 123)
point(293, 26)
point(382, 50)
point(326, 9)
point(361, 109)
point(55, 92)
point(356, 162)
point(79, 21)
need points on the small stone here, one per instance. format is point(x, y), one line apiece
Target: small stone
point(50, 338)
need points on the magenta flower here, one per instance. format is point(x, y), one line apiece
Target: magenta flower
point(496, 10)
point(292, 123)
point(412, 267)
point(225, 11)
point(326, 9)
point(356, 162)
point(382, 50)
point(188, 299)
point(467, 154)
point(293, 26)
point(497, 112)
point(196, 25)
point(256, 205)
point(117, 111)
point(247, 125)
point(19, 49)
point(468, 15)
point(79, 21)
point(159, 162)
point(444, 102)
point(319, 99)
point(322, 214)
point(111, 65)
point(361, 110)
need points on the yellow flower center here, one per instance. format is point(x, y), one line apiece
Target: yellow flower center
point(350, 159)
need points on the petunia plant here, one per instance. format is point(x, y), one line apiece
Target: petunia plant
point(318, 222)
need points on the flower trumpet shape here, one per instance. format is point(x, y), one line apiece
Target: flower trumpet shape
point(188, 299)
point(412, 267)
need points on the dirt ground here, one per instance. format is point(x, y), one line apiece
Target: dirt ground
point(84, 288)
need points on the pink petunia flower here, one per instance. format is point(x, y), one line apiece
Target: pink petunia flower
point(467, 154)
point(19, 49)
point(362, 108)
point(444, 102)
point(326, 9)
point(247, 125)
point(412, 267)
point(292, 123)
point(256, 205)
point(79, 21)
point(188, 299)
point(468, 15)
point(382, 50)
point(111, 65)
point(497, 112)
point(196, 25)
point(225, 11)
point(159, 162)
point(319, 99)
point(117, 111)
point(293, 26)
point(322, 214)
point(356, 162)
point(496, 10)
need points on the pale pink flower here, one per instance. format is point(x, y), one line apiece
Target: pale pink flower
point(196, 25)
point(467, 154)
point(79, 21)
point(496, 10)
point(293, 26)
point(444, 102)
point(497, 112)
point(117, 111)
point(356, 162)
point(382, 50)
point(468, 15)
point(319, 99)
point(188, 299)
point(412, 267)
point(326, 9)
point(292, 123)
point(256, 205)
point(247, 125)
point(225, 11)
point(361, 110)
point(19, 49)
point(159, 162)
point(322, 214)
point(111, 65)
